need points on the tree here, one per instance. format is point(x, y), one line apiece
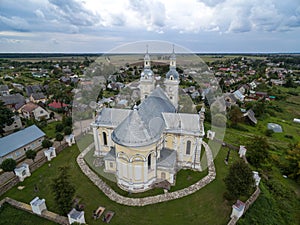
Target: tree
point(59, 137)
point(259, 108)
point(6, 117)
point(30, 154)
point(68, 130)
point(239, 180)
point(47, 143)
point(257, 151)
point(59, 127)
point(52, 115)
point(235, 115)
point(63, 191)
point(293, 158)
point(8, 165)
point(67, 121)
point(219, 120)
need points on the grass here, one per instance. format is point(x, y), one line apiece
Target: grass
point(49, 130)
point(186, 177)
point(206, 206)
point(11, 215)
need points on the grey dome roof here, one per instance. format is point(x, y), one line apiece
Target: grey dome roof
point(144, 126)
point(172, 72)
point(147, 72)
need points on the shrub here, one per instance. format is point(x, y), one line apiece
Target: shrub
point(269, 132)
point(47, 143)
point(8, 165)
point(59, 127)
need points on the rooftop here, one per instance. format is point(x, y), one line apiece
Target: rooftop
point(19, 139)
point(144, 125)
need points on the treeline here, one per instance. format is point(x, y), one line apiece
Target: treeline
point(45, 55)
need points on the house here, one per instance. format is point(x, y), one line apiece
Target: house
point(17, 124)
point(38, 97)
point(20, 87)
point(4, 90)
point(195, 94)
point(32, 110)
point(56, 106)
point(261, 94)
point(278, 82)
point(253, 85)
point(31, 89)
point(149, 144)
point(15, 145)
point(14, 102)
point(238, 95)
point(230, 99)
point(250, 116)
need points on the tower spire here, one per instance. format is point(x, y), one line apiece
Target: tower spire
point(147, 59)
point(173, 59)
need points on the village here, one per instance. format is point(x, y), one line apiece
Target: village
point(46, 108)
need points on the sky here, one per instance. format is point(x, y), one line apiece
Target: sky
point(97, 26)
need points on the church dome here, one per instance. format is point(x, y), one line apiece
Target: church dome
point(145, 123)
point(172, 73)
point(147, 73)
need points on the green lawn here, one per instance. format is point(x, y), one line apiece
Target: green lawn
point(206, 206)
point(49, 130)
point(13, 216)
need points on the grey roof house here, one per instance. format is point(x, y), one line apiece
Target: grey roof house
point(15, 145)
point(15, 101)
point(4, 90)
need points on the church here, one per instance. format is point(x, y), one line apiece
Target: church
point(153, 141)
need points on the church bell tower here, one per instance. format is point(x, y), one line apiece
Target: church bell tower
point(172, 81)
point(147, 81)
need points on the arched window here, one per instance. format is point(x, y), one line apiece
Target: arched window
point(149, 162)
point(104, 138)
point(163, 175)
point(188, 148)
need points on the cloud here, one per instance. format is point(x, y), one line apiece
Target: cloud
point(82, 22)
point(39, 14)
point(211, 3)
point(14, 23)
point(74, 12)
point(152, 14)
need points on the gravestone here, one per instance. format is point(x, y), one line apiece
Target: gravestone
point(70, 139)
point(38, 205)
point(256, 178)
point(238, 209)
point(210, 134)
point(76, 216)
point(242, 151)
point(23, 171)
point(50, 153)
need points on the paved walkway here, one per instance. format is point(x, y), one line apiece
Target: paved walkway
point(111, 194)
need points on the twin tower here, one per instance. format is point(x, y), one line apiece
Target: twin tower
point(171, 82)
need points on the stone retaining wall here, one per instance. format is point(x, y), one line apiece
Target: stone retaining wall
point(111, 194)
point(9, 184)
point(45, 213)
point(248, 203)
